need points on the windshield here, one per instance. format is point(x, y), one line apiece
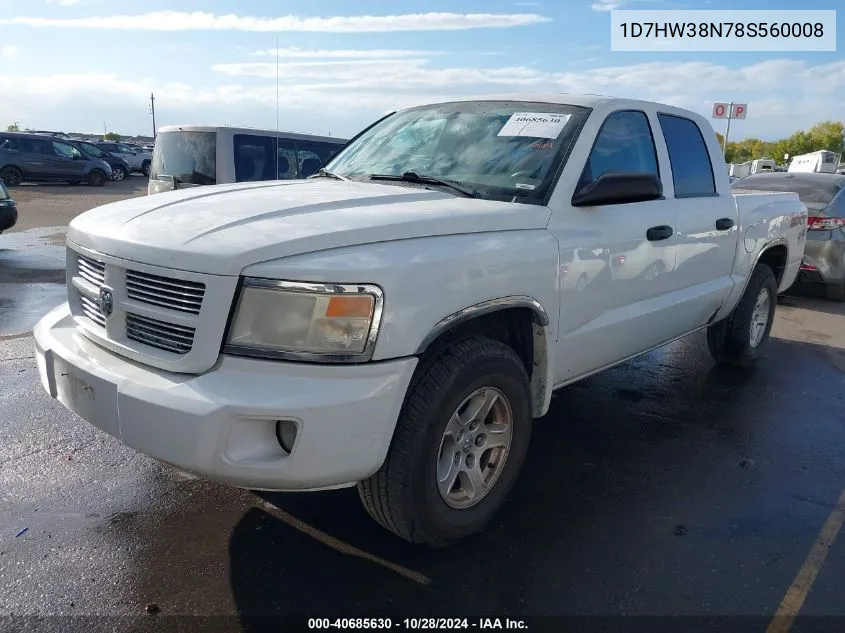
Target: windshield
point(190, 157)
point(501, 149)
point(810, 191)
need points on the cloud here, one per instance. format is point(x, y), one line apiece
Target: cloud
point(9, 51)
point(342, 91)
point(303, 53)
point(608, 5)
point(202, 21)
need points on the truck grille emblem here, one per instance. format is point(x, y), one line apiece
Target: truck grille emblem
point(106, 301)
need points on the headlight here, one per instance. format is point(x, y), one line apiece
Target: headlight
point(305, 321)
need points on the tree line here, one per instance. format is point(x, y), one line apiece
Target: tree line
point(827, 135)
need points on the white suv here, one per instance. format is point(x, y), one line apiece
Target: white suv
point(139, 160)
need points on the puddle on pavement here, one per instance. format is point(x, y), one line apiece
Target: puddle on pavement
point(32, 277)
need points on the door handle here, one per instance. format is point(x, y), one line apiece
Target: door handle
point(723, 224)
point(657, 233)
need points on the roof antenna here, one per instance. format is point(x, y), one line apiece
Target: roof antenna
point(277, 108)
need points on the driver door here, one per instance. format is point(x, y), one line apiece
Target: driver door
point(626, 307)
point(66, 161)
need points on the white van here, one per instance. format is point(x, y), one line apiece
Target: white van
point(194, 155)
point(822, 161)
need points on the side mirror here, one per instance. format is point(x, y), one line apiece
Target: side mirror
point(618, 187)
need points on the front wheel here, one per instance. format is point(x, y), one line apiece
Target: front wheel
point(145, 169)
point(97, 178)
point(119, 173)
point(740, 338)
point(459, 444)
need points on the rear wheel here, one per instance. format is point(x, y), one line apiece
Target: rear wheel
point(458, 447)
point(12, 176)
point(740, 338)
point(836, 292)
point(97, 178)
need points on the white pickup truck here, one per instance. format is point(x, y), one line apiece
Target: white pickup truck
point(397, 321)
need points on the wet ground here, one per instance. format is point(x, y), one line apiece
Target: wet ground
point(661, 487)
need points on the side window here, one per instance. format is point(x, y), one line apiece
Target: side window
point(9, 144)
point(309, 162)
point(288, 165)
point(692, 171)
point(253, 157)
point(64, 150)
point(38, 146)
point(624, 143)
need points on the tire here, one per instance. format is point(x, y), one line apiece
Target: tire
point(97, 178)
point(12, 176)
point(119, 173)
point(730, 340)
point(145, 168)
point(404, 495)
point(836, 292)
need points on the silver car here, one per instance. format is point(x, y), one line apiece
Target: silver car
point(824, 196)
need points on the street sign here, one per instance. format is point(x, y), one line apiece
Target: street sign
point(739, 110)
point(730, 110)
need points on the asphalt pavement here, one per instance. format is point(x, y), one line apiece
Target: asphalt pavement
point(662, 487)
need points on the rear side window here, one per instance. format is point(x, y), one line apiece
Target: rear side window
point(692, 171)
point(624, 144)
point(8, 144)
point(187, 156)
point(254, 157)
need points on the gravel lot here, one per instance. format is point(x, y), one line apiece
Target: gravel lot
point(55, 205)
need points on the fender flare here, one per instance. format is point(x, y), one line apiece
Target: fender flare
point(542, 377)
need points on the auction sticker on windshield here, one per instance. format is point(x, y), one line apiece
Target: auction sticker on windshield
point(535, 124)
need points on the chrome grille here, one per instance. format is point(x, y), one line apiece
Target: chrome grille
point(155, 333)
point(92, 310)
point(91, 270)
point(175, 294)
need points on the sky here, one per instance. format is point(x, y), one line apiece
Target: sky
point(89, 65)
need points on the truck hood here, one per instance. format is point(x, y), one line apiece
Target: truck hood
point(222, 229)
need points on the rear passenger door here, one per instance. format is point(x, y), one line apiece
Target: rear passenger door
point(705, 223)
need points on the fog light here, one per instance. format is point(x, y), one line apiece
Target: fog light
point(286, 434)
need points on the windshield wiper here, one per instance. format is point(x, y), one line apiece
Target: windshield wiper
point(411, 176)
point(324, 173)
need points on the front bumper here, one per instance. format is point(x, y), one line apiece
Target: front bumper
point(221, 425)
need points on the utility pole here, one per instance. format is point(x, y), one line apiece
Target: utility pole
point(728, 129)
point(153, 112)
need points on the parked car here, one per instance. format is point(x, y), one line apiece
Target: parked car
point(138, 160)
point(119, 167)
point(8, 209)
point(824, 196)
point(398, 319)
point(37, 158)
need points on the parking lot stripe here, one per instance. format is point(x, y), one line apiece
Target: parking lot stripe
point(797, 593)
point(342, 547)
